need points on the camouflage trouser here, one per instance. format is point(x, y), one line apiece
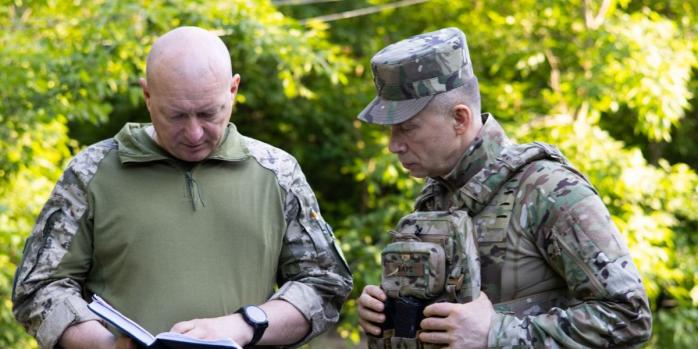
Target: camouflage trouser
point(388, 341)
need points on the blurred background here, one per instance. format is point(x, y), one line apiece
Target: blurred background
point(611, 82)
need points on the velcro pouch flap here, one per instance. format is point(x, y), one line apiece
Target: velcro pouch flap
point(413, 268)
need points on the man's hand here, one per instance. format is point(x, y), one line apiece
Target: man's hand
point(458, 325)
point(371, 309)
point(230, 326)
point(286, 326)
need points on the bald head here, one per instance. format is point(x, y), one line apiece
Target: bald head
point(187, 54)
point(189, 91)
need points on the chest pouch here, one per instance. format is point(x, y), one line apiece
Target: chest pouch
point(432, 256)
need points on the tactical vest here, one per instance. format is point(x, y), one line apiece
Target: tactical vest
point(433, 255)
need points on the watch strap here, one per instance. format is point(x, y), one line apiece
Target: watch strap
point(257, 327)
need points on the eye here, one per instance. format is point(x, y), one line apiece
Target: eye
point(206, 115)
point(407, 128)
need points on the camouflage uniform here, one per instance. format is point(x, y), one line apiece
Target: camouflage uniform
point(78, 247)
point(551, 259)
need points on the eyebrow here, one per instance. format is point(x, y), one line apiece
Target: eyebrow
point(213, 109)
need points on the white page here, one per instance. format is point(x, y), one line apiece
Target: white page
point(113, 316)
point(177, 337)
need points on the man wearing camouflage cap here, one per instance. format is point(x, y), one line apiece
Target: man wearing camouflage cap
point(555, 271)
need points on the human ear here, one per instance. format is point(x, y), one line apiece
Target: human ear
point(146, 93)
point(235, 84)
point(462, 117)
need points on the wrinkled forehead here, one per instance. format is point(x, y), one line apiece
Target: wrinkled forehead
point(192, 104)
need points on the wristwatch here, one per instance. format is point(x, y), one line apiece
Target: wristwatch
point(257, 319)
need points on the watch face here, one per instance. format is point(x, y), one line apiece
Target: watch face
point(256, 314)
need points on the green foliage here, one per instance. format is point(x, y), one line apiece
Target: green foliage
point(609, 82)
point(676, 328)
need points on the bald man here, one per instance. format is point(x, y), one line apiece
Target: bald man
point(183, 225)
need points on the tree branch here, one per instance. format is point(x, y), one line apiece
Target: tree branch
point(595, 21)
point(555, 77)
point(362, 11)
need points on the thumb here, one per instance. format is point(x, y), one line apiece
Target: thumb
point(125, 343)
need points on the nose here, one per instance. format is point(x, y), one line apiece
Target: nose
point(193, 132)
point(396, 145)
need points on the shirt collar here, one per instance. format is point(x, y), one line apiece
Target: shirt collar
point(136, 145)
point(487, 145)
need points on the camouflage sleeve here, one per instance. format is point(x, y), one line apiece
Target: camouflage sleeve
point(577, 238)
point(313, 274)
point(44, 302)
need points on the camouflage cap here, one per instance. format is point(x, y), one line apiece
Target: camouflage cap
point(409, 73)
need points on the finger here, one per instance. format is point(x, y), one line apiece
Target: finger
point(371, 305)
point(182, 327)
point(367, 301)
point(370, 315)
point(369, 327)
point(375, 292)
point(124, 343)
point(441, 309)
point(198, 333)
point(434, 324)
point(434, 337)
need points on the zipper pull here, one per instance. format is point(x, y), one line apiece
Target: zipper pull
point(193, 190)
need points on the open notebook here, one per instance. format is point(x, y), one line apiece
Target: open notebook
point(165, 340)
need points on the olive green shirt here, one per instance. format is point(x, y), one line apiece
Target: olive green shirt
point(165, 241)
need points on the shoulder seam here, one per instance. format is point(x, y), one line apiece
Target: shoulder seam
point(86, 162)
point(273, 159)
